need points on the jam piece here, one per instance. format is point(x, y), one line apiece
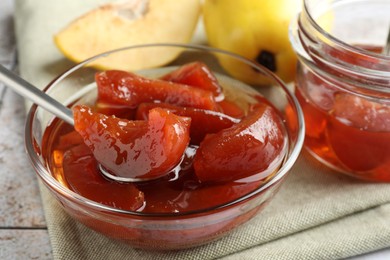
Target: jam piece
point(246, 148)
point(202, 121)
point(361, 113)
point(231, 109)
point(83, 177)
point(134, 149)
point(125, 88)
point(358, 132)
point(118, 111)
point(196, 74)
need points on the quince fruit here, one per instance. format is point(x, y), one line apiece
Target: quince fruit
point(254, 29)
point(133, 22)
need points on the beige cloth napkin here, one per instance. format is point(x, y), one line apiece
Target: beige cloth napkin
point(316, 215)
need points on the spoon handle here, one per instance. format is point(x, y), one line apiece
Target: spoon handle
point(35, 95)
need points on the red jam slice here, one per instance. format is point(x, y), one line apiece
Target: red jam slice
point(244, 149)
point(230, 108)
point(361, 113)
point(196, 74)
point(128, 89)
point(203, 122)
point(134, 149)
point(357, 132)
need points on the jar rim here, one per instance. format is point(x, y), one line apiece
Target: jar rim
point(344, 45)
point(315, 46)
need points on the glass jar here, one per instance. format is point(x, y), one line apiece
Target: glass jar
point(343, 84)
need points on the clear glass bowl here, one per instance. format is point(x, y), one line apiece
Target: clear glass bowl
point(164, 231)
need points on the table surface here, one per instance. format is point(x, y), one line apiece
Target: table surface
point(23, 231)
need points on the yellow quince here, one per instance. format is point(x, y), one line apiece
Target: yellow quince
point(255, 29)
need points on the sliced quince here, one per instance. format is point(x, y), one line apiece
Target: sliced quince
point(135, 22)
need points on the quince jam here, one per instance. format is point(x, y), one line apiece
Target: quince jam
point(192, 140)
point(347, 131)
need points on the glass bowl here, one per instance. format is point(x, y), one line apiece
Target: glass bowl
point(163, 230)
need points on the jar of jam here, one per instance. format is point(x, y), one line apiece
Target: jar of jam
point(343, 84)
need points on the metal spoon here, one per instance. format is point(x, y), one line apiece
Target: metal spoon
point(35, 95)
point(27, 90)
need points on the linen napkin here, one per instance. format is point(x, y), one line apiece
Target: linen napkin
point(317, 214)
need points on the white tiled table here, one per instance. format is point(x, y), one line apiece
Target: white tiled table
point(23, 231)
